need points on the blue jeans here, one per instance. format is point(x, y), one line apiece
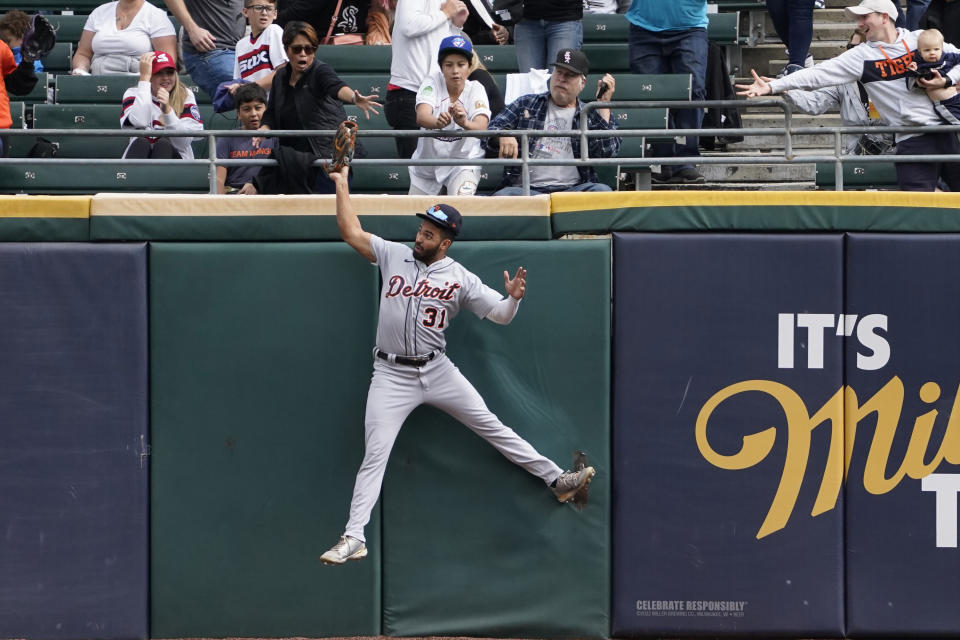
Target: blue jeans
point(915, 10)
point(583, 186)
point(793, 20)
point(685, 51)
point(538, 41)
point(210, 68)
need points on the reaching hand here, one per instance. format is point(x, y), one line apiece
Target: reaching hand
point(517, 287)
point(760, 87)
point(366, 103)
point(508, 147)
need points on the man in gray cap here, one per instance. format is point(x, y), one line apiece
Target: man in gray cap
point(556, 110)
point(880, 64)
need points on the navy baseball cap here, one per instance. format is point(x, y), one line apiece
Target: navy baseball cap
point(455, 44)
point(445, 217)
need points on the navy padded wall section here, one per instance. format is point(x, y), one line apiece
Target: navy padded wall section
point(73, 427)
point(706, 540)
point(901, 497)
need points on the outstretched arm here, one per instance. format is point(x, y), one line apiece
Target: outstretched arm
point(347, 220)
point(516, 287)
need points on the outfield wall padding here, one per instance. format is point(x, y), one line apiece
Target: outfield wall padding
point(260, 360)
point(73, 441)
point(267, 218)
point(903, 580)
point(760, 211)
point(472, 544)
point(44, 218)
point(712, 532)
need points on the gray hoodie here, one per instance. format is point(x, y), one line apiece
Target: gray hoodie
point(882, 68)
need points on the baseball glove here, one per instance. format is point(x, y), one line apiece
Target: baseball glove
point(343, 145)
point(580, 498)
point(39, 38)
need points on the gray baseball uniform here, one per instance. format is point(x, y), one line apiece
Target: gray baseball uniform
point(417, 304)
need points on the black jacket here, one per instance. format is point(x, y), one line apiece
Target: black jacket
point(317, 105)
point(944, 16)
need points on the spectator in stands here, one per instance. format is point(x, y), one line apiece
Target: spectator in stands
point(854, 105)
point(556, 110)
point(13, 25)
point(793, 21)
point(118, 33)
point(418, 28)
point(910, 20)
point(308, 94)
point(945, 16)
point(18, 79)
point(209, 32)
point(351, 17)
point(480, 26)
point(671, 37)
point(260, 54)
point(932, 59)
point(160, 102)
point(448, 100)
point(547, 27)
point(251, 101)
point(881, 65)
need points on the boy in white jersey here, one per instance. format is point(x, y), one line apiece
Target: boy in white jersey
point(447, 100)
point(260, 54)
point(422, 292)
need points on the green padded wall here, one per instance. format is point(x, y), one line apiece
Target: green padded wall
point(473, 545)
point(260, 361)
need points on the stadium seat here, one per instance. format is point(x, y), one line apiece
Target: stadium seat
point(498, 58)
point(858, 176)
point(39, 92)
point(61, 179)
point(724, 28)
point(356, 59)
point(367, 83)
point(605, 27)
point(59, 58)
point(18, 146)
point(106, 89)
point(69, 27)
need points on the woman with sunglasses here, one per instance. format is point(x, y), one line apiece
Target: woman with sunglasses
point(308, 94)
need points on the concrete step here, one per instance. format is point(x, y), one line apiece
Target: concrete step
point(775, 143)
point(759, 56)
point(758, 172)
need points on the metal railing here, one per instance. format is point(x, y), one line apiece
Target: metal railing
point(788, 131)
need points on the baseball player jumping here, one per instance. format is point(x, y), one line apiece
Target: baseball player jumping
point(423, 290)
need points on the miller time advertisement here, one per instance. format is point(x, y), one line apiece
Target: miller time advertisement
point(786, 437)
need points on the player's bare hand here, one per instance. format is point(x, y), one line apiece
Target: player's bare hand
point(163, 97)
point(508, 147)
point(146, 66)
point(936, 82)
point(443, 120)
point(516, 287)
point(760, 87)
point(247, 190)
point(201, 39)
point(367, 104)
point(458, 113)
point(341, 175)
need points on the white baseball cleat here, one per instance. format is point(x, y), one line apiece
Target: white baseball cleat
point(347, 549)
point(570, 482)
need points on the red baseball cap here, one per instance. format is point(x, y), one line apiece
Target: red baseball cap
point(161, 61)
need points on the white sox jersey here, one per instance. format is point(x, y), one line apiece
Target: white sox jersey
point(142, 111)
point(418, 301)
point(258, 57)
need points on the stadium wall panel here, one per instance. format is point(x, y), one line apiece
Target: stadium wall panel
point(712, 532)
point(44, 219)
point(901, 507)
point(73, 441)
point(472, 544)
point(260, 359)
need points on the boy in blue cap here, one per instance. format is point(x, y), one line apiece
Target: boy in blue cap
point(448, 100)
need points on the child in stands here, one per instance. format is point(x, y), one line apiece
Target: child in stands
point(251, 101)
point(260, 54)
point(933, 59)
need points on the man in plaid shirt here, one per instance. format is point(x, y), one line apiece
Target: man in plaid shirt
point(556, 110)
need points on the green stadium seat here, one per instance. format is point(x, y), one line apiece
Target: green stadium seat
point(60, 57)
point(498, 58)
point(69, 27)
point(356, 59)
point(367, 83)
point(614, 28)
point(121, 177)
point(39, 92)
point(106, 88)
point(107, 116)
point(858, 175)
point(607, 57)
point(18, 146)
point(724, 28)
point(664, 86)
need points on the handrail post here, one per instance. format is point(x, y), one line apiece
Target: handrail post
point(838, 165)
point(212, 169)
point(525, 168)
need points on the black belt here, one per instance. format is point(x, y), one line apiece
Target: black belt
point(410, 361)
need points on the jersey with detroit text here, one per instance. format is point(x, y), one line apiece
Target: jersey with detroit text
point(258, 57)
point(882, 68)
point(418, 301)
point(142, 111)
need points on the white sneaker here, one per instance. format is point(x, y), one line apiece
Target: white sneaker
point(348, 548)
